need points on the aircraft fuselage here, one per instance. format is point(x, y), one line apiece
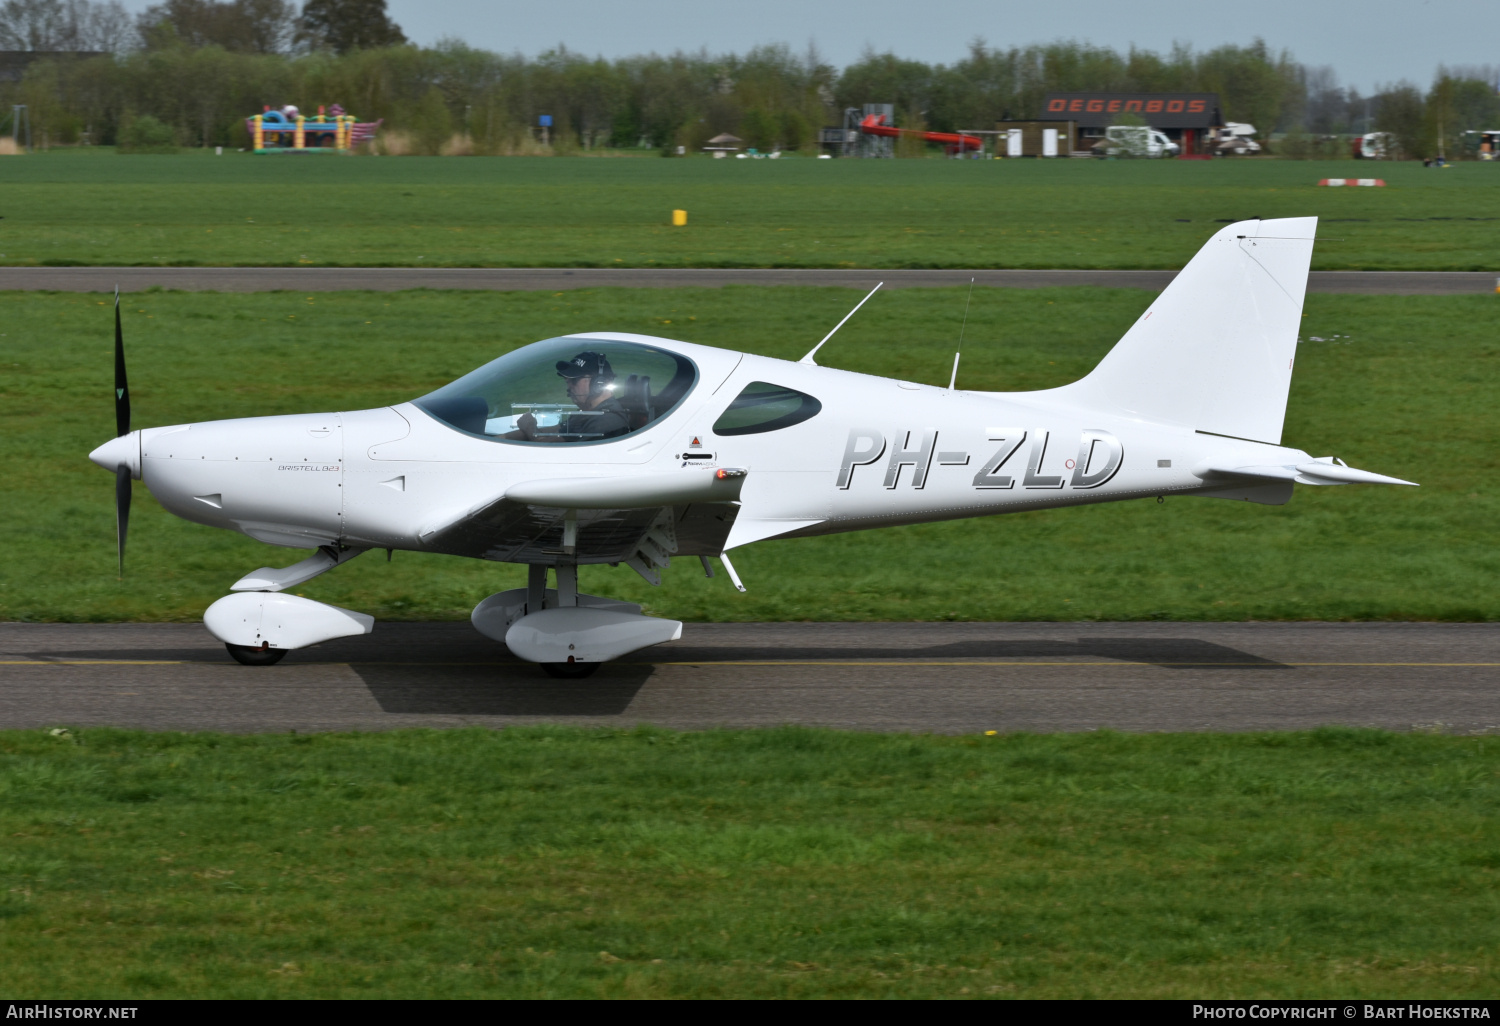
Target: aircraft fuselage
point(880, 452)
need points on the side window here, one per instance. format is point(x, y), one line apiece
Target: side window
point(763, 406)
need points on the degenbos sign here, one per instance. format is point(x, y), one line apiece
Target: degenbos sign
point(1080, 105)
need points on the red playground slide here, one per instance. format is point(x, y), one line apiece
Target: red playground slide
point(951, 141)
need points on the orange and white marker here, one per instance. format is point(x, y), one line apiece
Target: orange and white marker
point(1352, 181)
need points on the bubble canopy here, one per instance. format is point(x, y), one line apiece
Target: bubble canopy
point(537, 395)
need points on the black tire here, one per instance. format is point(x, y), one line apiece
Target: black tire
point(256, 656)
point(569, 671)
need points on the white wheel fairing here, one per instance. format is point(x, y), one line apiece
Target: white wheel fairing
point(586, 635)
point(253, 618)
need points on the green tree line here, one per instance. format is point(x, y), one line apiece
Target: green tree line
point(454, 98)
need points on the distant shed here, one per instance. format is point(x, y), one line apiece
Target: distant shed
point(1037, 138)
point(1189, 119)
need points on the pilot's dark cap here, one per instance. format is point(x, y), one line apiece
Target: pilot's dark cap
point(585, 365)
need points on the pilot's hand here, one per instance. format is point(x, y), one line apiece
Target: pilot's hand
point(526, 424)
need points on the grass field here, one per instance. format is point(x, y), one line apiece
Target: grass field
point(786, 863)
point(1400, 385)
point(97, 207)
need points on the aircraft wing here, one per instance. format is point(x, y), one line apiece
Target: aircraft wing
point(516, 532)
point(636, 491)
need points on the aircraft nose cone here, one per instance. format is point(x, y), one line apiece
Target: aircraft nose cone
point(122, 451)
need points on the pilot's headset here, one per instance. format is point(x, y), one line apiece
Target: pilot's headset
point(591, 365)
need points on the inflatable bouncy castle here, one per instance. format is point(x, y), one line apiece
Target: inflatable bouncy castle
point(288, 131)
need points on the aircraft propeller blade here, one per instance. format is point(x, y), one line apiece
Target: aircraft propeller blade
point(122, 511)
point(122, 427)
point(122, 388)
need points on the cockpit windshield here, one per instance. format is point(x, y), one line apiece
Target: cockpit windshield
point(565, 390)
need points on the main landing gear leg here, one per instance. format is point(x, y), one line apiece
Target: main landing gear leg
point(536, 587)
point(567, 585)
point(567, 597)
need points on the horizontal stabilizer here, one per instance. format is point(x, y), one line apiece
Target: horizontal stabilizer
point(637, 491)
point(1337, 473)
point(1316, 472)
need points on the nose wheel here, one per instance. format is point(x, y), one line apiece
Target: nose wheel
point(569, 671)
point(263, 656)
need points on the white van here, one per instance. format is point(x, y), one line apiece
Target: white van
point(1137, 141)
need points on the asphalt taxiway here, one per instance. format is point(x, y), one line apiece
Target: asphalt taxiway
point(938, 677)
point(391, 279)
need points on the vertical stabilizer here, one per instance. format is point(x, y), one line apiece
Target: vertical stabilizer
point(1215, 351)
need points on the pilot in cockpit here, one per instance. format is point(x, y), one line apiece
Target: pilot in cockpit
point(590, 384)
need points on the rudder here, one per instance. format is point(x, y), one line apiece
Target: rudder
point(1215, 351)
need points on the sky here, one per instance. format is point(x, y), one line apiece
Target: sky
point(1368, 42)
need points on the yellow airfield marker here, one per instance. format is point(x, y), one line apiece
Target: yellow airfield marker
point(679, 218)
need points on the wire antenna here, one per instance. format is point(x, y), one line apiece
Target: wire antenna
point(808, 359)
point(965, 324)
point(953, 380)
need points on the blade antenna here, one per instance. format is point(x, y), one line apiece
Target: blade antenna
point(953, 381)
point(808, 359)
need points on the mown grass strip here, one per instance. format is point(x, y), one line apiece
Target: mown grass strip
point(550, 861)
point(72, 207)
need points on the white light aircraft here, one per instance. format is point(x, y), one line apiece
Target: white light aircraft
point(610, 448)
